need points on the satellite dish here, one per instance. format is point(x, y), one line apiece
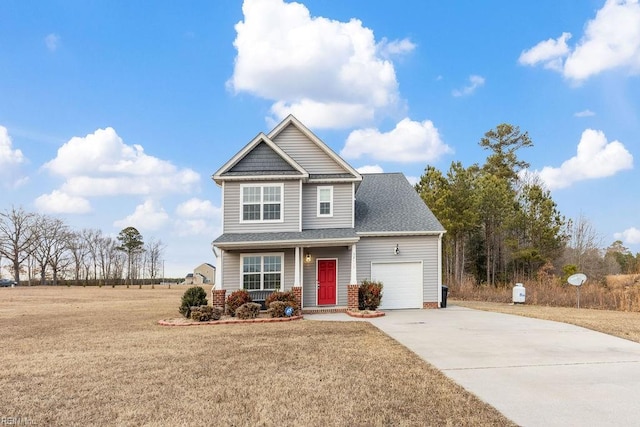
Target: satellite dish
point(577, 279)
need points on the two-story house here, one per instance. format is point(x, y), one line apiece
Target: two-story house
point(297, 216)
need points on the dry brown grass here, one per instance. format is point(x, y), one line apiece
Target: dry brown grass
point(95, 356)
point(620, 292)
point(618, 323)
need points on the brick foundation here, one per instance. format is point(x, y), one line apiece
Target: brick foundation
point(352, 297)
point(430, 305)
point(218, 298)
point(297, 291)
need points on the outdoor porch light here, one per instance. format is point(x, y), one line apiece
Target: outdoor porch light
point(307, 257)
point(396, 251)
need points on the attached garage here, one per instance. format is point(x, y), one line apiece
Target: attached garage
point(403, 283)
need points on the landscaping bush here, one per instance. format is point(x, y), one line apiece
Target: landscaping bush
point(236, 299)
point(249, 310)
point(205, 313)
point(280, 296)
point(277, 308)
point(369, 295)
point(194, 296)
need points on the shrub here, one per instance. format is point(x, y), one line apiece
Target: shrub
point(280, 296)
point(249, 310)
point(205, 313)
point(195, 296)
point(278, 308)
point(236, 299)
point(369, 295)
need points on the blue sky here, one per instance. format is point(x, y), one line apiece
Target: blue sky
point(116, 113)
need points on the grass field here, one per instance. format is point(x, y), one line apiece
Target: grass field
point(621, 324)
point(95, 356)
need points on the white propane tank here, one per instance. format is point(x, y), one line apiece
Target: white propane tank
point(519, 293)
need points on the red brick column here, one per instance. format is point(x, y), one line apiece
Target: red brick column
point(352, 297)
point(429, 305)
point(218, 298)
point(297, 291)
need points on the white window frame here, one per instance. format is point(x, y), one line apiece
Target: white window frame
point(262, 272)
point(320, 188)
point(262, 203)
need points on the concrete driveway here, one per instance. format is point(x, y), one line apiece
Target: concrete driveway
point(536, 372)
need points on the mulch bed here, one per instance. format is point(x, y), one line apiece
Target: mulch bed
point(225, 320)
point(365, 314)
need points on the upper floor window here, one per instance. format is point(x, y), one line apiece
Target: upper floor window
point(261, 202)
point(325, 201)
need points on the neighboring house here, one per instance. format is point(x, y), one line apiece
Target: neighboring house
point(204, 274)
point(296, 215)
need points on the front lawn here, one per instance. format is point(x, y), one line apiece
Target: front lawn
point(95, 356)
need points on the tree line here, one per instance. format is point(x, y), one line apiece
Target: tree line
point(45, 249)
point(503, 225)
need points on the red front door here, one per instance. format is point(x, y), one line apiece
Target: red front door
point(326, 282)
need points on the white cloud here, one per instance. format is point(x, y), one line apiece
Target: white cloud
point(409, 141)
point(413, 180)
point(52, 41)
point(395, 47)
point(611, 40)
point(370, 169)
point(197, 208)
point(58, 202)
point(629, 236)
point(330, 74)
point(197, 217)
point(147, 216)
point(595, 158)
point(10, 161)
point(474, 83)
point(549, 52)
point(101, 164)
point(584, 113)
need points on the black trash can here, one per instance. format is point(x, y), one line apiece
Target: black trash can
point(445, 291)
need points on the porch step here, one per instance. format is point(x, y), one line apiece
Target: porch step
point(322, 310)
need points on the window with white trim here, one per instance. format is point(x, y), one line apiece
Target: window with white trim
point(261, 202)
point(325, 201)
point(261, 271)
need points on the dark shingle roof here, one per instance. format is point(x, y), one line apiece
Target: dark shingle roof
point(294, 238)
point(262, 159)
point(388, 203)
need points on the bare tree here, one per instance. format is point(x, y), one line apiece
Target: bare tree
point(154, 249)
point(16, 237)
point(584, 247)
point(51, 243)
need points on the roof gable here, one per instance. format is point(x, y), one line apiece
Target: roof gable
point(308, 150)
point(260, 157)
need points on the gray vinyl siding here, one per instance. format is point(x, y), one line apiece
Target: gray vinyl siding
point(309, 289)
point(291, 211)
point(262, 159)
point(231, 268)
point(412, 248)
point(342, 207)
point(308, 155)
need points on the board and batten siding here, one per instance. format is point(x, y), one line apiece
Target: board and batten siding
point(342, 207)
point(231, 272)
point(291, 209)
point(304, 151)
point(309, 274)
point(412, 248)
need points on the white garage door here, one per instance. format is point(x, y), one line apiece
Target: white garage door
point(402, 283)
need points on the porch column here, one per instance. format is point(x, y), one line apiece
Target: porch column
point(354, 275)
point(352, 287)
point(217, 280)
point(297, 283)
point(296, 269)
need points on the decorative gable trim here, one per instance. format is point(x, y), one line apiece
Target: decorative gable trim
point(261, 137)
point(291, 120)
